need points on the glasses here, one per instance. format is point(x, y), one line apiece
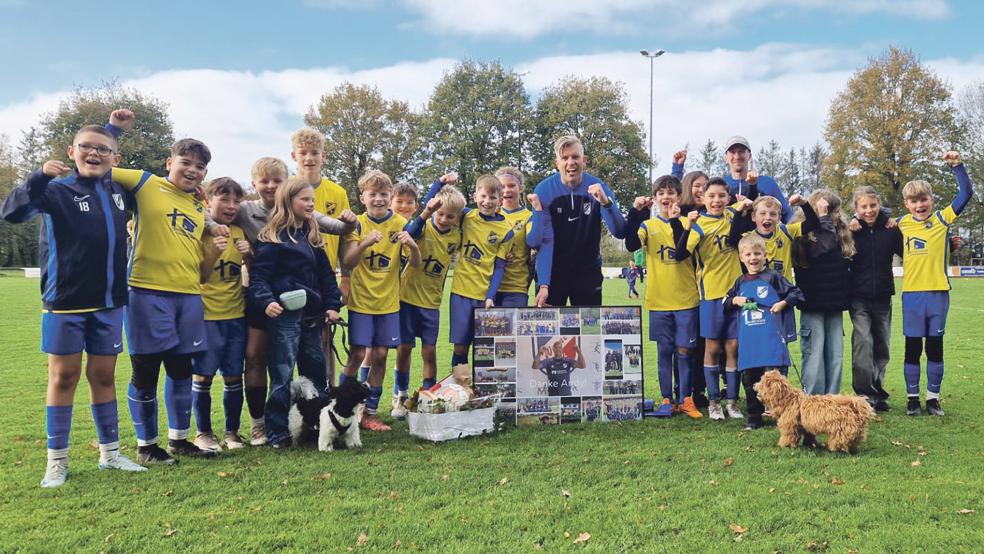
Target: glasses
point(101, 150)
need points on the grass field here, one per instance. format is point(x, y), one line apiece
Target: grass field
point(648, 486)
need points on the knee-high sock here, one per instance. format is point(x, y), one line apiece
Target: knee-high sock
point(934, 378)
point(429, 382)
point(911, 372)
point(363, 373)
point(372, 403)
point(232, 405)
point(664, 366)
point(458, 359)
point(177, 400)
point(58, 424)
point(683, 375)
point(712, 375)
point(401, 382)
point(143, 412)
point(343, 378)
point(201, 405)
point(731, 380)
point(107, 420)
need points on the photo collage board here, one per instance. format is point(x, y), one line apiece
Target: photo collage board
point(560, 365)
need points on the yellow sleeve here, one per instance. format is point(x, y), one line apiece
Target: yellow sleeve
point(643, 235)
point(130, 178)
point(356, 234)
point(795, 230)
point(696, 234)
point(948, 215)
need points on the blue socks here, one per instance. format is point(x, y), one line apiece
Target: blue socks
point(401, 382)
point(731, 381)
point(58, 424)
point(934, 378)
point(683, 375)
point(664, 366)
point(342, 379)
point(177, 400)
point(911, 372)
point(232, 405)
point(363, 373)
point(372, 403)
point(107, 419)
point(201, 404)
point(458, 359)
point(143, 411)
point(429, 382)
point(712, 375)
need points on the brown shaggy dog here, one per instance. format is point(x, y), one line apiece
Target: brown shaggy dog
point(844, 419)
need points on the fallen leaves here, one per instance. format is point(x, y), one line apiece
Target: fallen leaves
point(322, 477)
point(965, 511)
point(170, 531)
point(729, 462)
point(916, 463)
point(582, 538)
point(361, 541)
point(223, 474)
point(503, 481)
point(735, 528)
point(565, 493)
point(836, 481)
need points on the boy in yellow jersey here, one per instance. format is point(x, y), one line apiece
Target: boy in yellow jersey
point(671, 294)
point(486, 239)
point(706, 235)
point(225, 319)
point(165, 317)
point(925, 285)
point(515, 289)
point(437, 232)
point(372, 253)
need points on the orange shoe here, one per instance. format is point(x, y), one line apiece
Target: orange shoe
point(373, 423)
point(688, 407)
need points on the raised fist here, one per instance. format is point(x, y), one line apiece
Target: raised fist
point(680, 157)
point(54, 168)
point(952, 158)
point(534, 201)
point(122, 118)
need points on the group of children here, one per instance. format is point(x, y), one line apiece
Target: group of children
point(213, 283)
point(732, 298)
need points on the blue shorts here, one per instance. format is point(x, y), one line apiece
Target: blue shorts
point(511, 300)
point(716, 323)
point(463, 318)
point(98, 333)
point(418, 322)
point(676, 327)
point(160, 321)
point(226, 349)
point(924, 313)
point(374, 329)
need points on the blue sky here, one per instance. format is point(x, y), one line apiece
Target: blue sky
point(780, 60)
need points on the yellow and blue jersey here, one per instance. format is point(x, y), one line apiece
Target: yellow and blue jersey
point(672, 284)
point(167, 233)
point(222, 293)
point(375, 282)
point(717, 259)
point(926, 249)
point(779, 248)
point(517, 275)
point(423, 286)
point(483, 239)
point(331, 199)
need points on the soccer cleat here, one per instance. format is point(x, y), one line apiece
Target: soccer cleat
point(55, 474)
point(665, 409)
point(882, 406)
point(373, 423)
point(257, 436)
point(120, 462)
point(154, 454)
point(933, 407)
point(754, 422)
point(181, 447)
point(690, 409)
point(232, 441)
point(714, 410)
point(912, 407)
point(399, 411)
point(207, 441)
point(734, 412)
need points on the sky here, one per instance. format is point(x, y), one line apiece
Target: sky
point(240, 75)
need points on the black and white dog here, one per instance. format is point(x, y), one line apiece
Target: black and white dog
point(333, 417)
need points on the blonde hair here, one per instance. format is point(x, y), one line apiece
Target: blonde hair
point(268, 166)
point(768, 202)
point(513, 172)
point(834, 211)
point(865, 192)
point(307, 138)
point(282, 215)
point(917, 189)
point(489, 183)
point(565, 142)
point(751, 241)
point(375, 180)
point(451, 198)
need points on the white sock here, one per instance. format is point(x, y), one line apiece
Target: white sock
point(108, 451)
point(177, 434)
point(57, 454)
point(930, 395)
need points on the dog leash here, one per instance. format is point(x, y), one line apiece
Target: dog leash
point(341, 323)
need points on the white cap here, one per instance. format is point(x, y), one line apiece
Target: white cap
point(735, 140)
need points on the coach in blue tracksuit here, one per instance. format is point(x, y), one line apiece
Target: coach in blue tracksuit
point(738, 154)
point(568, 209)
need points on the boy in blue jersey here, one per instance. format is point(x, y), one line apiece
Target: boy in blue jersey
point(762, 295)
point(925, 285)
point(83, 284)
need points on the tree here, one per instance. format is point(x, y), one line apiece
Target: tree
point(811, 167)
point(594, 109)
point(478, 119)
point(146, 146)
point(890, 125)
point(790, 179)
point(9, 236)
point(970, 106)
point(770, 160)
point(365, 131)
point(711, 160)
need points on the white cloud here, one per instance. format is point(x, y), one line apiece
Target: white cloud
point(775, 91)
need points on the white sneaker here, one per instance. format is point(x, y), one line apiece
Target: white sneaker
point(55, 474)
point(399, 408)
point(120, 462)
point(207, 441)
point(733, 411)
point(257, 436)
point(233, 441)
point(714, 410)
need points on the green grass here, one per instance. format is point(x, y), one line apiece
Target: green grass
point(646, 486)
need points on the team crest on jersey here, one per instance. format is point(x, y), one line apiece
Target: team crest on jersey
point(451, 248)
point(493, 237)
point(118, 200)
point(587, 208)
point(762, 292)
point(779, 242)
point(929, 224)
point(392, 236)
point(330, 208)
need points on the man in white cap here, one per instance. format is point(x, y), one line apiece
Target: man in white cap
point(738, 154)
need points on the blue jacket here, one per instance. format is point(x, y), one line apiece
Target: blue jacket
point(83, 252)
point(288, 265)
point(767, 186)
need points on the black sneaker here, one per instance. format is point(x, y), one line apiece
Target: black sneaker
point(913, 407)
point(933, 407)
point(882, 406)
point(184, 448)
point(700, 400)
point(153, 454)
point(281, 445)
point(753, 422)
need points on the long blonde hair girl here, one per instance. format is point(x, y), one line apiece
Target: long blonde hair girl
point(282, 215)
point(836, 216)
